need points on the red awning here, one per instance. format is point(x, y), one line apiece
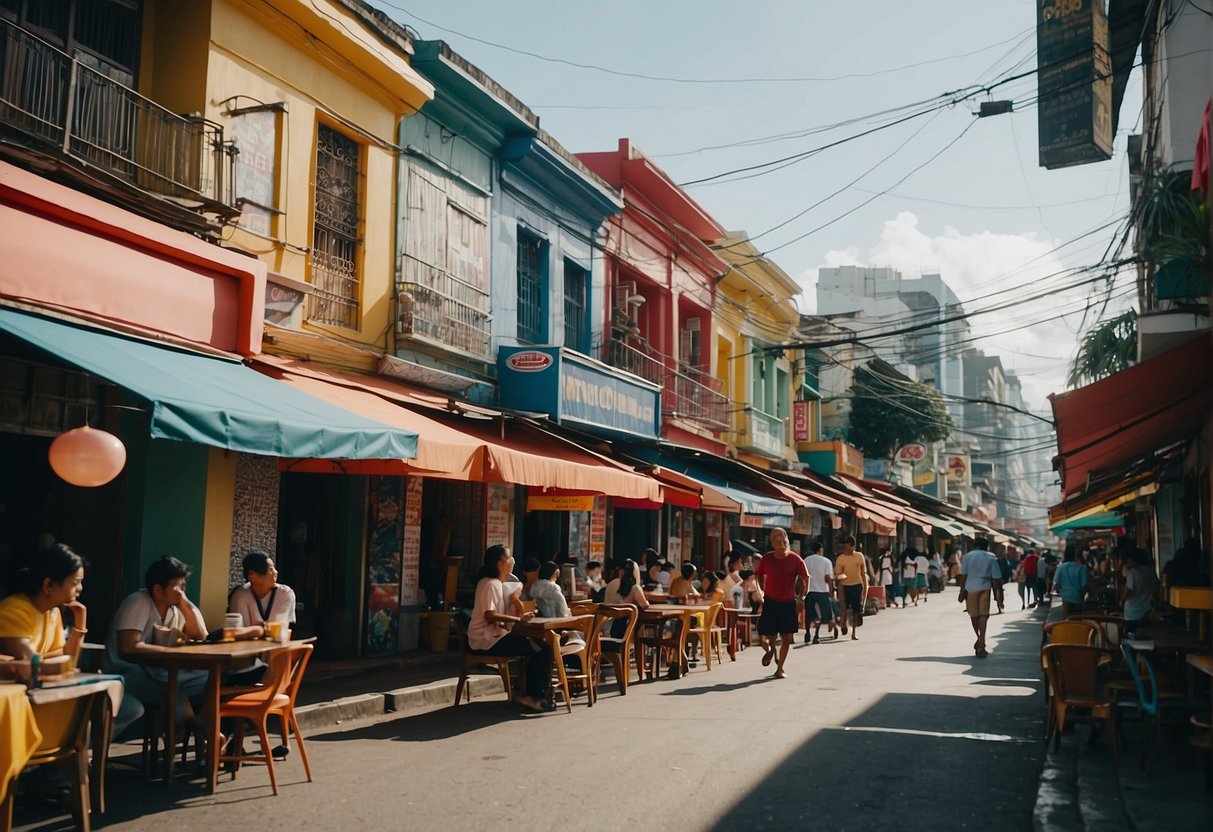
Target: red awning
point(1129, 415)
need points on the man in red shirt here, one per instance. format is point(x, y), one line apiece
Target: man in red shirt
point(1031, 563)
point(777, 572)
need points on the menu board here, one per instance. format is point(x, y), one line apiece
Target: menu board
point(497, 515)
point(410, 589)
point(598, 530)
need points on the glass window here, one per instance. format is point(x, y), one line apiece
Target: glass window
point(335, 223)
point(576, 312)
point(530, 288)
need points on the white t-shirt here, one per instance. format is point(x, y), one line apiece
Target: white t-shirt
point(490, 595)
point(921, 565)
point(979, 568)
point(820, 569)
point(886, 570)
point(138, 612)
point(663, 578)
point(1141, 583)
point(279, 605)
point(909, 568)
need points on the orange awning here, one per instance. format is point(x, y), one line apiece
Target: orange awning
point(497, 450)
point(1133, 413)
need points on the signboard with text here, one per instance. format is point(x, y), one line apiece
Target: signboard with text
point(1074, 83)
point(800, 421)
point(576, 389)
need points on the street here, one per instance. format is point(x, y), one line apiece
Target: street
point(904, 727)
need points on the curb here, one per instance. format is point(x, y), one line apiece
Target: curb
point(417, 697)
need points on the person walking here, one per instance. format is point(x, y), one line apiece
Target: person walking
point(886, 575)
point(909, 571)
point(778, 571)
point(817, 603)
point(1031, 563)
point(980, 577)
point(921, 565)
point(851, 573)
point(1004, 570)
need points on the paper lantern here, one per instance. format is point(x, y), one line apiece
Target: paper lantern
point(87, 457)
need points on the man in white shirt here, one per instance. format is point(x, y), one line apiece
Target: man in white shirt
point(261, 599)
point(921, 565)
point(980, 576)
point(817, 606)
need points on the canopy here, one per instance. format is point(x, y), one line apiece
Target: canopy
point(478, 448)
point(1098, 520)
point(213, 400)
point(751, 502)
point(1133, 413)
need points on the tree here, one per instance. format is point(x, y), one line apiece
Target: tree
point(889, 410)
point(1111, 346)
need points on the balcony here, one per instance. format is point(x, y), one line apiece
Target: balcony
point(696, 396)
point(761, 433)
point(106, 134)
point(624, 356)
point(442, 309)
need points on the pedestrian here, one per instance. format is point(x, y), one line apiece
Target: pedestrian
point(909, 572)
point(1021, 582)
point(921, 565)
point(817, 608)
point(1004, 570)
point(1031, 563)
point(1070, 581)
point(1140, 589)
point(886, 575)
point(778, 571)
point(981, 576)
point(851, 573)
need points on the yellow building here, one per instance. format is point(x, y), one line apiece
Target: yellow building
point(754, 310)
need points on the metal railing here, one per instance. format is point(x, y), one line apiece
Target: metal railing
point(696, 396)
point(626, 357)
point(59, 102)
point(438, 306)
point(761, 432)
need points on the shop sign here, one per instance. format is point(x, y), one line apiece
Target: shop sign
point(572, 388)
point(751, 521)
point(802, 520)
point(913, 452)
point(497, 514)
point(711, 524)
point(800, 421)
point(559, 502)
point(958, 469)
point(1074, 81)
point(598, 530)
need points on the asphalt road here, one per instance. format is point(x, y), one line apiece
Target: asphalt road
point(904, 728)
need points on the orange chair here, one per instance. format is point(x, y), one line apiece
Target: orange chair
point(1072, 631)
point(616, 650)
point(1072, 671)
point(285, 711)
point(257, 704)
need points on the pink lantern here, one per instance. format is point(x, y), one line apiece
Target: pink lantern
point(87, 457)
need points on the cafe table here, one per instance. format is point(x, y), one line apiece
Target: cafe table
point(216, 659)
point(1203, 662)
point(656, 615)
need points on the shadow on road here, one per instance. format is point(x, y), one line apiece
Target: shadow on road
point(428, 726)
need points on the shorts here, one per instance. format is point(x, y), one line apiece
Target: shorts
point(977, 603)
point(778, 618)
point(817, 607)
point(920, 581)
point(852, 599)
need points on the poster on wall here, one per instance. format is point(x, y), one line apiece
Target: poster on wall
point(384, 563)
point(411, 544)
point(674, 550)
point(497, 515)
point(711, 524)
point(598, 530)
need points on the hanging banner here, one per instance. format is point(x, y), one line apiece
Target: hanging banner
point(410, 548)
point(1074, 82)
point(800, 421)
point(598, 530)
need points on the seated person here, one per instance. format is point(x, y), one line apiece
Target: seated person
point(530, 574)
point(547, 594)
point(593, 576)
point(162, 603)
point(488, 631)
point(753, 592)
point(665, 576)
point(261, 599)
point(710, 587)
point(626, 588)
point(732, 576)
point(682, 586)
point(31, 621)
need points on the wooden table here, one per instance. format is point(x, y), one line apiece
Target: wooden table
point(657, 615)
point(538, 627)
point(1202, 662)
point(215, 659)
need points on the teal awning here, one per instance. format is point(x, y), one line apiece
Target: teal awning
point(1099, 520)
point(214, 401)
point(751, 501)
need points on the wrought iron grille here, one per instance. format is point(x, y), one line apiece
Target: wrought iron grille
point(334, 300)
point(575, 296)
point(530, 289)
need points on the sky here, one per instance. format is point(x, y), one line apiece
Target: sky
point(734, 85)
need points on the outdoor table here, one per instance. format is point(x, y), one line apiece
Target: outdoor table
point(730, 626)
point(657, 615)
point(214, 658)
point(1202, 662)
point(19, 737)
point(75, 686)
point(546, 629)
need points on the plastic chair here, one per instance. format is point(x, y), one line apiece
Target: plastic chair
point(1152, 699)
point(1072, 631)
point(709, 636)
point(475, 658)
point(285, 711)
point(257, 704)
point(1072, 672)
point(616, 650)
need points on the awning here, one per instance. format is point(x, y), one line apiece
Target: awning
point(711, 499)
point(1133, 413)
point(214, 401)
point(476, 447)
point(1095, 520)
point(751, 502)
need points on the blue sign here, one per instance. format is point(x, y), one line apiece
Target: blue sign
point(572, 388)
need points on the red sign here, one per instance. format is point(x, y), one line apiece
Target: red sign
point(529, 362)
point(800, 421)
point(914, 452)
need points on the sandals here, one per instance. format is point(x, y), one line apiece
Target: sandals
point(768, 656)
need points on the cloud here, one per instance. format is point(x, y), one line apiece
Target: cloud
point(984, 269)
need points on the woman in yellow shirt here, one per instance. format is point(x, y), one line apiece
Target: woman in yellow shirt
point(31, 620)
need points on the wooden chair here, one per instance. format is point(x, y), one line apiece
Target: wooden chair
point(1111, 628)
point(285, 711)
point(256, 706)
point(582, 651)
point(710, 637)
point(615, 649)
point(583, 608)
point(1072, 672)
point(475, 658)
point(1072, 631)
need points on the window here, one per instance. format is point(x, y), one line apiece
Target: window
point(576, 303)
point(335, 222)
point(530, 288)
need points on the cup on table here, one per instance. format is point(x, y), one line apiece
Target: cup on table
point(232, 622)
point(274, 630)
